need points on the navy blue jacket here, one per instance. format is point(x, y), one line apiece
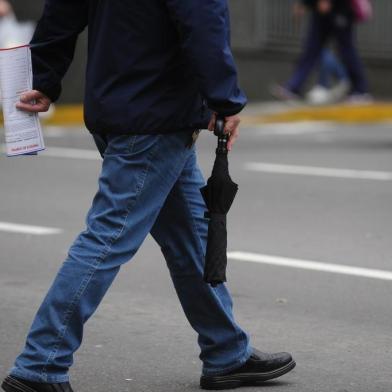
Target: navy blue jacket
point(154, 66)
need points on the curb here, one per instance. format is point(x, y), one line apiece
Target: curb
point(369, 113)
point(67, 115)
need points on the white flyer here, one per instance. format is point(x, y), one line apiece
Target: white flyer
point(23, 132)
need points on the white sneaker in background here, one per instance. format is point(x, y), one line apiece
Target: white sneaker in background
point(319, 95)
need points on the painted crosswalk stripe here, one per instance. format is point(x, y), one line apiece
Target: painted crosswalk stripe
point(311, 265)
point(265, 167)
point(27, 229)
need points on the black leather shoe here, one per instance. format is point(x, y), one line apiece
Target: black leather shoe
point(14, 384)
point(258, 368)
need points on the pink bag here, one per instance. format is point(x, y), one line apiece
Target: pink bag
point(363, 10)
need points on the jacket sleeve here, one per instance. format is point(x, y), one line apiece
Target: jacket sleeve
point(54, 41)
point(205, 31)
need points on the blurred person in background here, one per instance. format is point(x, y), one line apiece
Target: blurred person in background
point(330, 19)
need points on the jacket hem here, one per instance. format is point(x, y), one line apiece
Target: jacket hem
point(161, 131)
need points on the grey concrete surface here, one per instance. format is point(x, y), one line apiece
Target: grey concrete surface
point(337, 327)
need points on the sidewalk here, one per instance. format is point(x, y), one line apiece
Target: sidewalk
point(269, 112)
point(277, 112)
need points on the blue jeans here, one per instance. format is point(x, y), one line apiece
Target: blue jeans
point(149, 183)
point(331, 67)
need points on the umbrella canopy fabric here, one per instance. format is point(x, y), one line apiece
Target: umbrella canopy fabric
point(218, 194)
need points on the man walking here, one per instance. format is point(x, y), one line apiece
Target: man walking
point(330, 19)
point(157, 70)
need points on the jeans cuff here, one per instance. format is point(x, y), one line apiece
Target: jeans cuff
point(238, 363)
point(34, 377)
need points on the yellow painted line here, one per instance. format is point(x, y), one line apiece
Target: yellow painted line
point(372, 113)
point(66, 115)
point(63, 115)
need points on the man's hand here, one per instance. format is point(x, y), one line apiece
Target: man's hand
point(34, 102)
point(232, 128)
point(324, 6)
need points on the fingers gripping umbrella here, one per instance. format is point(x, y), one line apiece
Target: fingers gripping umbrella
point(218, 194)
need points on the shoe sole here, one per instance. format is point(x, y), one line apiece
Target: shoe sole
point(10, 384)
point(243, 380)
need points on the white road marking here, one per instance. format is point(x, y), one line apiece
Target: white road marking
point(27, 229)
point(311, 265)
point(293, 129)
point(265, 167)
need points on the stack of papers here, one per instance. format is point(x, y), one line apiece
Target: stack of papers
point(23, 132)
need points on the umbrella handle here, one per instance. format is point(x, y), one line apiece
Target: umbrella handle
point(223, 138)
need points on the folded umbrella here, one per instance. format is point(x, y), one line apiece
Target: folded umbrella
point(218, 194)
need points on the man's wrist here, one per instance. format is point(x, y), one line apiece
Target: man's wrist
point(52, 92)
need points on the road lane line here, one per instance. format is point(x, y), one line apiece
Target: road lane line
point(26, 229)
point(265, 167)
point(311, 265)
point(294, 129)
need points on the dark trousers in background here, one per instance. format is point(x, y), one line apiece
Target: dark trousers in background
point(321, 30)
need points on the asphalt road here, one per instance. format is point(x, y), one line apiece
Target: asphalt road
point(308, 193)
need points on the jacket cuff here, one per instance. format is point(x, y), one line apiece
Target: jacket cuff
point(52, 91)
point(225, 111)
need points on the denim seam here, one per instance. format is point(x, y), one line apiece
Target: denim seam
point(194, 225)
point(34, 378)
point(242, 346)
point(99, 260)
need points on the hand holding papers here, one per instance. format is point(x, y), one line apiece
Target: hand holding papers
point(23, 131)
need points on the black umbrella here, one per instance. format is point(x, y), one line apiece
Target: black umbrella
point(219, 194)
